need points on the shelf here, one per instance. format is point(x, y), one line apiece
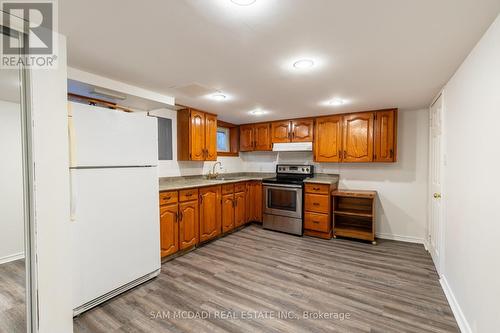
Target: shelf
point(353, 232)
point(353, 213)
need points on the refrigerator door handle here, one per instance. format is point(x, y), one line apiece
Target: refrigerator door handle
point(71, 137)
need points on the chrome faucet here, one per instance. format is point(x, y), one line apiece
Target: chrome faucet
point(213, 174)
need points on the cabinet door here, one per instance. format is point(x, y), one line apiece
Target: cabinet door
point(210, 215)
point(188, 224)
point(227, 212)
point(197, 137)
point(211, 137)
point(262, 134)
point(302, 130)
point(240, 208)
point(246, 138)
point(328, 142)
point(169, 230)
point(280, 131)
point(358, 137)
point(385, 136)
point(254, 201)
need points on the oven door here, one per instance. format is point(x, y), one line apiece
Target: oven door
point(283, 200)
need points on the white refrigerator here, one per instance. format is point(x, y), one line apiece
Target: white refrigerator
point(114, 202)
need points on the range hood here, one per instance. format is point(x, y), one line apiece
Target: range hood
point(293, 146)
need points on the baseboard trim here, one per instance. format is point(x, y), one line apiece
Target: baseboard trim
point(400, 238)
point(455, 307)
point(12, 257)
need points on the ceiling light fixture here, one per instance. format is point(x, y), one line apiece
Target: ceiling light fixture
point(243, 2)
point(337, 102)
point(218, 97)
point(258, 112)
point(303, 64)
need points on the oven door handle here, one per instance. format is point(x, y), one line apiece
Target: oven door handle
point(278, 186)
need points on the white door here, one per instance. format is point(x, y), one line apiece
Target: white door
point(436, 159)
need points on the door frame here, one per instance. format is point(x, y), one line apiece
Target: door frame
point(15, 30)
point(439, 261)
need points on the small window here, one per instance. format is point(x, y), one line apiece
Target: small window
point(223, 142)
point(165, 139)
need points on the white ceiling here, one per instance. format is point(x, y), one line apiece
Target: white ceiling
point(376, 54)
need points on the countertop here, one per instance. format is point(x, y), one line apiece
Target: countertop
point(180, 183)
point(323, 178)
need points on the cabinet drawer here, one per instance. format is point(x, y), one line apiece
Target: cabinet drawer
point(317, 203)
point(318, 188)
point(240, 187)
point(317, 222)
point(227, 189)
point(188, 195)
point(168, 198)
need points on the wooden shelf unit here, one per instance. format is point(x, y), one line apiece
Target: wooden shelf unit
point(354, 214)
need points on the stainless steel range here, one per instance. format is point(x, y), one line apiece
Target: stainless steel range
point(283, 198)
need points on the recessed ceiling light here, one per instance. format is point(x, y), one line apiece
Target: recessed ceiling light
point(218, 97)
point(337, 102)
point(258, 112)
point(243, 2)
point(303, 64)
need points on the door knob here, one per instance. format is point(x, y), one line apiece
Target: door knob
point(437, 195)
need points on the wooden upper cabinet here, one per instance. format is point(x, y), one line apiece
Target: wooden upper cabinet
point(246, 137)
point(188, 224)
point(169, 230)
point(210, 212)
point(262, 134)
point(385, 136)
point(280, 131)
point(210, 137)
point(328, 139)
point(358, 137)
point(196, 135)
point(302, 130)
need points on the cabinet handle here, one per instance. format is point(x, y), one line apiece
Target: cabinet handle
point(316, 203)
point(316, 188)
point(190, 194)
point(201, 199)
point(181, 216)
point(316, 222)
point(176, 217)
point(345, 154)
point(391, 152)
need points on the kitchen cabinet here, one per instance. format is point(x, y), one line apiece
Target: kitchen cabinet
point(385, 136)
point(210, 213)
point(328, 139)
point(240, 209)
point(358, 137)
point(254, 201)
point(169, 230)
point(228, 212)
point(196, 135)
point(300, 130)
point(188, 224)
point(255, 137)
point(317, 210)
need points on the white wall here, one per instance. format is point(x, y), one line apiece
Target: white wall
point(52, 195)
point(11, 180)
point(401, 186)
point(472, 219)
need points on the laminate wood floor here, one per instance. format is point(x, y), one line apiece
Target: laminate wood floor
point(12, 297)
point(255, 276)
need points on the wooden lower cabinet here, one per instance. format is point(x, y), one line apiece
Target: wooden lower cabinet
point(210, 213)
point(188, 224)
point(227, 212)
point(169, 230)
point(317, 210)
point(240, 209)
point(254, 201)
